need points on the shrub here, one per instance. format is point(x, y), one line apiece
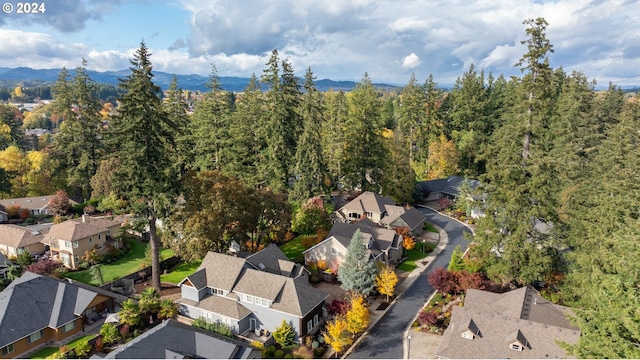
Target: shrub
point(82, 349)
point(43, 267)
point(278, 354)
point(427, 318)
point(303, 352)
point(317, 352)
point(124, 331)
point(315, 344)
point(217, 328)
point(109, 333)
point(257, 344)
point(288, 356)
point(99, 344)
point(270, 350)
point(284, 334)
point(83, 265)
point(321, 339)
point(338, 307)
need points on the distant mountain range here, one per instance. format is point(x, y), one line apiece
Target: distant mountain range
point(36, 77)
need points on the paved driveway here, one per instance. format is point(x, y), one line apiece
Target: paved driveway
point(385, 339)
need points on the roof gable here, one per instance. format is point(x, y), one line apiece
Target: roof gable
point(17, 236)
point(368, 202)
point(225, 270)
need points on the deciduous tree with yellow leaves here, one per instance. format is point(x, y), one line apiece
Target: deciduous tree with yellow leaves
point(357, 317)
point(336, 334)
point(386, 281)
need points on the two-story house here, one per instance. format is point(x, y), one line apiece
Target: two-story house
point(69, 241)
point(382, 210)
point(384, 245)
point(15, 239)
point(253, 293)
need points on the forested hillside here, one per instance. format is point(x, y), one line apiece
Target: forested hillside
point(558, 162)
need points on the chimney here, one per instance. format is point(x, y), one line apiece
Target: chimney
point(535, 301)
point(85, 218)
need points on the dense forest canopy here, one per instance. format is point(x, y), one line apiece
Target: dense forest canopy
point(557, 161)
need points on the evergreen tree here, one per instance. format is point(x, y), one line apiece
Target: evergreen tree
point(176, 107)
point(309, 168)
point(522, 189)
point(332, 136)
point(281, 124)
point(398, 179)
point(210, 127)
point(284, 334)
point(364, 150)
point(411, 114)
point(141, 136)
point(357, 274)
point(78, 146)
point(247, 134)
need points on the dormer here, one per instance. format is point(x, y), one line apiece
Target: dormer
point(469, 330)
point(517, 341)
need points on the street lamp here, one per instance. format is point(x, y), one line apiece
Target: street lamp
point(408, 346)
point(423, 245)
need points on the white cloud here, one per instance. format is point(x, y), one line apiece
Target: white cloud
point(411, 61)
point(342, 39)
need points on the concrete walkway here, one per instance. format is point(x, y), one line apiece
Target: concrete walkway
point(421, 266)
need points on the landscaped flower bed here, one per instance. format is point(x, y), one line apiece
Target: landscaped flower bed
point(435, 317)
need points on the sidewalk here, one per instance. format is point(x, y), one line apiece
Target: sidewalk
point(421, 266)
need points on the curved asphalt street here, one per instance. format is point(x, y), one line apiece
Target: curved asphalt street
point(385, 339)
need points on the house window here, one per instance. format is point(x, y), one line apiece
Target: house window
point(75, 244)
point(19, 251)
point(316, 319)
point(69, 326)
point(8, 349)
point(515, 346)
point(67, 244)
point(66, 259)
point(309, 325)
point(99, 236)
point(312, 258)
point(90, 239)
point(334, 251)
point(250, 299)
point(76, 258)
point(35, 336)
point(217, 291)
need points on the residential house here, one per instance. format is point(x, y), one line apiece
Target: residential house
point(5, 264)
point(255, 293)
point(37, 205)
point(384, 245)
point(437, 189)
point(15, 239)
point(382, 210)
point(70, 240)
point(173, 340)
point(36, 309)
point(519, 324)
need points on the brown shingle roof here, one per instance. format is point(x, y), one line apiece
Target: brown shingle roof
point(502, 319)
point(261, 284)
point(31, 203)
point(220, 305)
point(72, 230)
point(368, 201)
point(18, 236)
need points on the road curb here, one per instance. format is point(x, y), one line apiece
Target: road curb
point(442, 243)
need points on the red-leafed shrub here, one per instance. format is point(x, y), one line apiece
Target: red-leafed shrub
point(427, 318)
point(338, 307)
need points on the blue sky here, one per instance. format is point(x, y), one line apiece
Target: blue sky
point(338, 39)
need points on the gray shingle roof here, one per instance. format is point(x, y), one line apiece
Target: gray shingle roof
point(225, 270)
point(290, 294)
point(368, 201)
point(520, 315)
point(221, 305)
point(34, 302)
point(298, 297)
point(198, 279)
point(384, 238)
point(172, 339)
point(447, 185)
point(273, 260)
point(31, 203)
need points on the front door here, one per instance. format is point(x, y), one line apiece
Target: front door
point(252, 323)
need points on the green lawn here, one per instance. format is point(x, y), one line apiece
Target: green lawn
point(48, 351)
point(294, 248)
point(430, 228)
point(415, 254)
point(117, 269)
point(180, 271)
